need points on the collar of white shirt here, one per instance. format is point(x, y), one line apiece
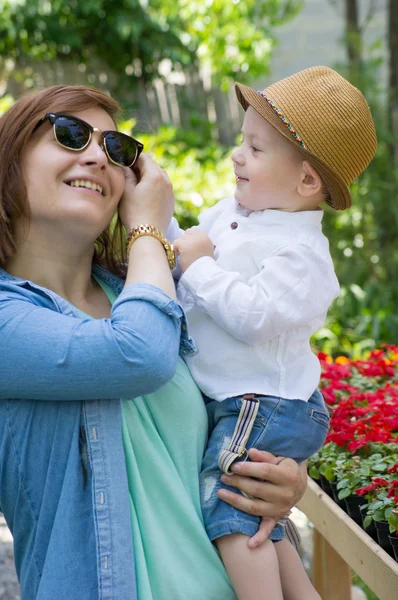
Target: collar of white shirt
point(281, 217)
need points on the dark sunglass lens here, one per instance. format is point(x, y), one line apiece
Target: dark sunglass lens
point(121, 148)
point(71, 133)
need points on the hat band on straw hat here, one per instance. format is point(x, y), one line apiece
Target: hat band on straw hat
point(283, 118)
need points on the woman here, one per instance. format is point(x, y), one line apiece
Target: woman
point(101, 494)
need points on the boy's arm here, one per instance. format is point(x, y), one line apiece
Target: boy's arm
point(206, 219)
point(293, 286)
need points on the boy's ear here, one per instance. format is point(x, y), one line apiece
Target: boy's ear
point(310, 182)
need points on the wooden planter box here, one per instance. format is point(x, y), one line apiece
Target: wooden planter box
point(341, 545)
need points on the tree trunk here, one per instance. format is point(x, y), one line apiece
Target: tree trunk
point(353, 38)
point(393, 82)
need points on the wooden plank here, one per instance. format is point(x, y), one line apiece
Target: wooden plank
point(331, 576)
point(374, 566)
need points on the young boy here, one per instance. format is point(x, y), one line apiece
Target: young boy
point(257, 282)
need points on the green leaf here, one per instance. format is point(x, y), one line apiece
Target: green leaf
point(344, 493)
point(380, 468)
point(378, 515)
point(342, 483)
point(376, 505)
point(329, 474)
point(367, 521)
point(393, 522)
point(314, 473)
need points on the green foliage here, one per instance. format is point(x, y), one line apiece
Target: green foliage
point(114, 32)
point(381, 508)
point(357, 471)
point(132, 37)
point(5, 103)
point(324, 462)
point(229, 37)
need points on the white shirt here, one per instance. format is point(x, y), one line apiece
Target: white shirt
point(253, 308)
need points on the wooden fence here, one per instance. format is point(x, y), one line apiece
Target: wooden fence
point(341, 545)
point(177, 100)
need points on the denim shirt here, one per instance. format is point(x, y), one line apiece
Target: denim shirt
point(63, 483)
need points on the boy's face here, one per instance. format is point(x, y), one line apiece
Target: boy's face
point(267, 167)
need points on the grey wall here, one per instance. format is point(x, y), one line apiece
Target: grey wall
point(312, 38)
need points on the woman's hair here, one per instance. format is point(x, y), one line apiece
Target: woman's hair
point(16, 128)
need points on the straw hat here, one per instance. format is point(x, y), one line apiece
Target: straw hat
point(327, 118)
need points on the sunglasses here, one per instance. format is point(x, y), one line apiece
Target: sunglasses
point(75, 134)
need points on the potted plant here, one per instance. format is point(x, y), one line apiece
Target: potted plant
point(322, 466)
point(382, 509)
point(359, 470)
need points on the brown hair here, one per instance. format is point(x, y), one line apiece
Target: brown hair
point(16, 128)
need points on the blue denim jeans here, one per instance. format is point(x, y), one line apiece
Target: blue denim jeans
point(290, 428)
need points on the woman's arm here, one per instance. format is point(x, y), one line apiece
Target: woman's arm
point(150, 201)
point(282, 484)
point(47, 355)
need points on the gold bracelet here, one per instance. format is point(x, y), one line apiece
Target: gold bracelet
point(141, 230)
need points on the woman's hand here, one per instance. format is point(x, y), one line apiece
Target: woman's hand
point(282, 484)
point(148, 196)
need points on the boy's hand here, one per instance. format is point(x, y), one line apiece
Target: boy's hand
point(193, 244)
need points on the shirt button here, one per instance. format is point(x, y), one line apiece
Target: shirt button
point(234, 225)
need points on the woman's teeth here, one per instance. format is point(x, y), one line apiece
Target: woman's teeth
point(86, 184)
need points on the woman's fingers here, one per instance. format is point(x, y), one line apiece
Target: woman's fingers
point(148, 200)
point(282, 472)
point(262, 491)
point(275, 483)
point(131, 176)
point(264, 456)
point(273, 473)
point(251, 506)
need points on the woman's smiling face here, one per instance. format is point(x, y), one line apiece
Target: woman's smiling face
point(75, 192)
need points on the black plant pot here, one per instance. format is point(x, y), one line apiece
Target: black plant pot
point(383, 530)
point(370, 529)
point(394, 544)
point(325, 485)
point(335, 491)
point(353, 504)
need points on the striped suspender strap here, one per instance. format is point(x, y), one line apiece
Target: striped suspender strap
point(292, 533)
point(244, 425)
